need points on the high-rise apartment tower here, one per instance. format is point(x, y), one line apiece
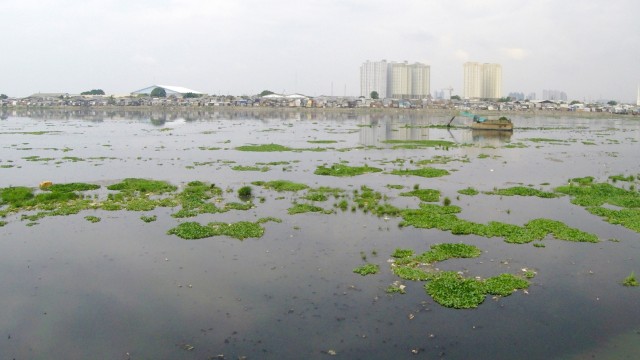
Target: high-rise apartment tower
point(482, 81)
point(395, 80)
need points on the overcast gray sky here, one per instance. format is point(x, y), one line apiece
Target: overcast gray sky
point(587, 48)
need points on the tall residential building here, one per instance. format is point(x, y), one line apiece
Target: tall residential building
point(373, 77)
point(400, 80)
point(482, 81)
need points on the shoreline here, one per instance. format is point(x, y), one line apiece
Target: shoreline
point(96, 110)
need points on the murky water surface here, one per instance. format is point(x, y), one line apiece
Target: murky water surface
point(122, 288)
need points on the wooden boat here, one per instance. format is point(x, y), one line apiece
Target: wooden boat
point(501, 124)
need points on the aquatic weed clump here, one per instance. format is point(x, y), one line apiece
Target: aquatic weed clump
point(367, 269)
point(305, 208)
point(432, 216)
point(342, 170)
point(593, 196)
point(522, 191)
point(426, 195)
point(281, 185)
point(239, 230)
point(427, 172)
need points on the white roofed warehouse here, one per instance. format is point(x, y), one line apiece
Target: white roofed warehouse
point(169, 90)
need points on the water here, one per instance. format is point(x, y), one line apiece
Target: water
point(122, 288)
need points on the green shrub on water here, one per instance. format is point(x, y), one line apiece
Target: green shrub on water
point(367, 269)
point(427, 172)
point(245, 192)
point(446, 201)
point(341, 170)
point(630, 280)
point(629, 218)
point(427, 195)
point(343, 205)
point(250, 168)
point(469, 191)
point(3, 223)
point(238, 206)
point(91, 218)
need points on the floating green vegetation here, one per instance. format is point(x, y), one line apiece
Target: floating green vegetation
point(3, 223)
point(422, 143)
point(322, 141)
point(369, 200)
point(281, 185)
point(5, 166)
point(245, 192)
point(432, 216)
point(449, 288)
point(427, 195)
point(588, 143)
point(69, 187)
point(305, 208)
point(469, 191)
point(16, 196)
point(522, 191)
point(452, 290)
point(427, 172)
point(208, 148)
point(30, 132)
point(440, 159)
point(275, 163)
point(546, 140)
point(37, 158)
point(251, 168)
point(483, 156)
point(315, 196)
point(264, 148)
point(149, 219)
point(145, 186)
point(397, 187)
point(367, 269)
point(630, 280)
point(91, 218)
point(345, 170)
point(396, 288)
point(584, 192)
point(517, 145)
point(239, 230)
point(238, 206)
point(621, 177)
point(194, 199)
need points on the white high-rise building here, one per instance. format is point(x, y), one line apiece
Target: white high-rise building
point(400, 80)
point(373, 77)
point(482, 81)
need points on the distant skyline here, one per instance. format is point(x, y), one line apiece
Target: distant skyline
point(587, 49)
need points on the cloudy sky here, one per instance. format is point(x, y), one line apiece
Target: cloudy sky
point(587, 48)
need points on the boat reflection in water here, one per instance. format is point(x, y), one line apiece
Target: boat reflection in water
point(491, 136)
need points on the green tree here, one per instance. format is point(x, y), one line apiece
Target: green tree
point(266, 92)
point(191, 95)
point(93, 92)
point(613, 103)
point(574, 102)
point(374, 95)
point(455, 97)
point(3, 96)
point(158, 92)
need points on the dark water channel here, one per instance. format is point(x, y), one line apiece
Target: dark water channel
point(122, 288)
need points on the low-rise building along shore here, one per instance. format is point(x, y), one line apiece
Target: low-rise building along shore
point(42, 100)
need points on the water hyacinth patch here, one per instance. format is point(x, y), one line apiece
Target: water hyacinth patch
point(345, 170)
